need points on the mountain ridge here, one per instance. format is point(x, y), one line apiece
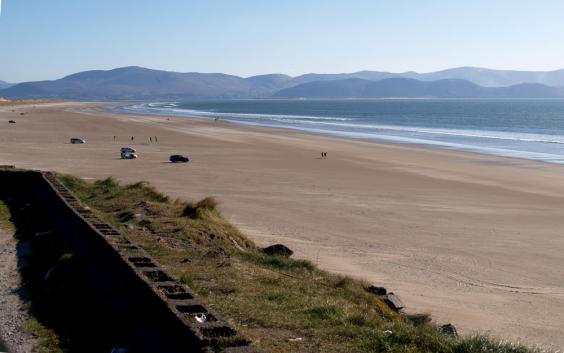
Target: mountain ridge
point(412, 88)
point(138, 83)
point(4, 84)
point(478, 75)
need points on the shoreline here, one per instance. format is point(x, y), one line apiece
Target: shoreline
point(417, 136)
point(473, 239)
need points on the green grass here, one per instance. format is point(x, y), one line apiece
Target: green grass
point(277, 262)
point(48, 341)
point(5, 217)
point(282, 305)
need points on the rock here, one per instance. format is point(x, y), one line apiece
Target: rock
point(377, 290)
point(278, 250)
point(448, 329)
point(393, 302)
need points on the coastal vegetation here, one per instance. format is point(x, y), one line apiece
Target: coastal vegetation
point(5, 102)
point(281, 304)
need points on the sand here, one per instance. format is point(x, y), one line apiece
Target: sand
point(474, 240)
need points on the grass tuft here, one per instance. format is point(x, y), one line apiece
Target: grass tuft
point(48, 341)
point(278, 262)
point(205, 208)
point(6, 217)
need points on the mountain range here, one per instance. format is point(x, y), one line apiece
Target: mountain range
point(411, 88)
point(4, 84)
point(137, 83)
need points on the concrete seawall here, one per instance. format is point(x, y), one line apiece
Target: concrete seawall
point(141, 301)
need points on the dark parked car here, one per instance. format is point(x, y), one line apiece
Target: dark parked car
point(12, 121)
point(176, 158)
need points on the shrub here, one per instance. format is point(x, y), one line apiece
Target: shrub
point(203, 208)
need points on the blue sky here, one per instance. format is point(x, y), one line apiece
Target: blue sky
point(42, 39)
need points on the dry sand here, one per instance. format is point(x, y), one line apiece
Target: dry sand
point(474, 240)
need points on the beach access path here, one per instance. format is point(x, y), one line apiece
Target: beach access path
point(13, 313)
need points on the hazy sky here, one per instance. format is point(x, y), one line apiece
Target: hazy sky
point(47, 39)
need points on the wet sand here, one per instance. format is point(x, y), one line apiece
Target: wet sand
point(474, 240)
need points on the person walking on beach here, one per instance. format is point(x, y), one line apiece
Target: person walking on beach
point(114, 138)
point(156, 139)
point(132, 138)
point(150, 139)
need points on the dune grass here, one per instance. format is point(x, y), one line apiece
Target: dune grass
point(5, 217)
point(48, 341)
point(282, 305)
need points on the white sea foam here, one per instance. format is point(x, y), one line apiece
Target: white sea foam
point(475, 140)
point(335, 123)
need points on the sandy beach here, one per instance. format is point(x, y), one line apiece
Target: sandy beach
point(474, 240)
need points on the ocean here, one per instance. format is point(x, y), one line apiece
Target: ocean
point(520, 128)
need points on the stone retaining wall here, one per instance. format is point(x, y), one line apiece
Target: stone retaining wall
point(132, 283)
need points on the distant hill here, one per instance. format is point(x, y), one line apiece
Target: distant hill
point(494, 78)
point(4, 84)
point(268, 84)
point(479, 76)
point(132, 83)
point(364, 75)
point(411, 88)
point(137, 83)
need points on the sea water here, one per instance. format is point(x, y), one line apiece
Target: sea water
point(520, 128)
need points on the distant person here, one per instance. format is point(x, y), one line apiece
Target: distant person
point(156, 139)
point(132, 138)
point(150, 139)
point(114, 138)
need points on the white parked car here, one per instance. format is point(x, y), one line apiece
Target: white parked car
point(76, 140)
point(128, 156)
